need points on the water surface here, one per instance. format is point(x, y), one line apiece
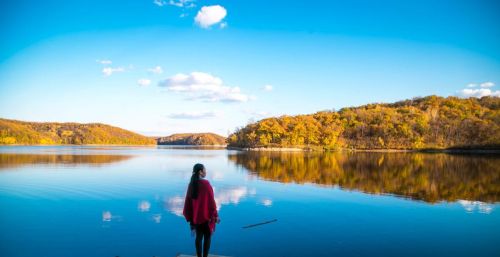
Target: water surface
point(127, 201)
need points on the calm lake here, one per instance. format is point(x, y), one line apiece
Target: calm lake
point(60, 201)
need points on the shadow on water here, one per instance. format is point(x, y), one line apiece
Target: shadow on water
point(15, 160)
point(419, 176)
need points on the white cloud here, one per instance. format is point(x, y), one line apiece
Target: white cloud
point(261, 114)
point(195, 81)
point(156, 70)
point(483, 89)
point(182, 3)
point(176, 3)
point(258, 114)
point(223, 25)
point(105, 62)
point(210, 15)
point(159, 2)
point(205, 87)
point(487, 84)
point(144, 82)
point(193, 115)
point(225, 94)
point(108, 71)
point(267, 88)
point(479, 92)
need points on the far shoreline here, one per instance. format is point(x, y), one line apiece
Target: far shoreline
point(427, 150)
point(288, 149)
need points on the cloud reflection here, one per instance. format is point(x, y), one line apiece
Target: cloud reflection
point(267, 202)
point(223, 196)
point(175, 205)
point(476, 206)
point(157, 218)
point(106, 216)
point(226, 196)
point(144, 206)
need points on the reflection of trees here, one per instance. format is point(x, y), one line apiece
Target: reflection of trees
point(8, 160)
point(428, 177)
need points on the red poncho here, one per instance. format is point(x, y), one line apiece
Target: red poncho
point(203, 208)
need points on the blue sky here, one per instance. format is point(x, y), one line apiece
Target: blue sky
point(162, 67)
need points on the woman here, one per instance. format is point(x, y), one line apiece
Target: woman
point(200, 209)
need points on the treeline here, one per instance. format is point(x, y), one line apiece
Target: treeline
point(48, 133)
point(419, 123)
point(192, 139)
point(421, 176)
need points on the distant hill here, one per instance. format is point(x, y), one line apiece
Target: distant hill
point(428, 122)
point(48, 133)
point(192, 139)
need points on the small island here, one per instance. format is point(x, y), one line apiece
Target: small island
point(192, 139)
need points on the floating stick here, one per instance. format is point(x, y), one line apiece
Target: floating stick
point(258, 224)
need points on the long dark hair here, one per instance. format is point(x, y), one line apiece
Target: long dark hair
point(194, 179)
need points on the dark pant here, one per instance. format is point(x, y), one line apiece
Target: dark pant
point(202, 232)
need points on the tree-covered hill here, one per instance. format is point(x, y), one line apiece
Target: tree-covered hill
point(427, 122)
point(47, 133)
point(192, 139)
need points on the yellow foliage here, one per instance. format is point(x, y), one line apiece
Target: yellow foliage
point(20, 132)
point(428, 177)
point(428, 122)
point(7, 140)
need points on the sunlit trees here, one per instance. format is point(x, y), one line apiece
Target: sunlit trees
point(192, 139)
point(428, 122)
point(46, 133)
